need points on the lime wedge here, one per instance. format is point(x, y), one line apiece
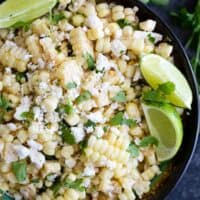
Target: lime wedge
point(157, 70)
point(13, 11)
point(165, 125)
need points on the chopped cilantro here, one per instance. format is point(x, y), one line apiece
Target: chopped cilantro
point(120, 97)
point(90, 62)
point(71, 85)
point(36, 180)
point(119, 119)
point(4, 104)
point(56, 17)
point(166, 88)
point(90, 123)
point(21, 77)
point(19, 169)
point(148, 140)
point(133, 150)
point(151, 38)
point(27, 115)
point(21, 24)
point(77, 184)
point(5, 196)
point(123, 22)
point(129, 122)
point(67, 135)
point(83, 144)
point(159, 95)
point(86, 95)
point(105, 128)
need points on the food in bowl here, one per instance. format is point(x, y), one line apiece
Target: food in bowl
point(77, 110)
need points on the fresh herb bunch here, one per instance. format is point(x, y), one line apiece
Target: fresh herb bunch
point(192, 22)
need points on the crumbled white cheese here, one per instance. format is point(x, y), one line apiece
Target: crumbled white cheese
point(102, 62)
point(89, 171)
point(89, 129)
point(35, 145)
point(41, 63)
point(86, 182)
point(99, 131)
point(93, 21)
point(118, 48)
point(78, 133)
point(1, 147)
point(143, 35)
point(38, 113)
point(43, 86)
point(148, 25)
point(9, 154)
point(70, 162)
point(23, 107)
point(21, 151)
point(56, 91)
point(37, 158)
point(96, 117)
point(69, 27)
point(137, 76)
point(107, 163)
point(12, 126)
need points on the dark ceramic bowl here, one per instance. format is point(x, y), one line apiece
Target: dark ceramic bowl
point(191, 121)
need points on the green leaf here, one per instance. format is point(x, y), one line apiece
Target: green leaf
point(27, 115)
point(71, 85)
point(19, 169)
point(90, 123)
point(120, 97)
point(166, 88)
point(21, 24)
point(56, 187)
point(148, 140)
point(117, 119)
point(133, 150)
point(159, 95)
point(77, 184)
point(56, 17)
point(86, 95)
point(90, 62)
point(67, 136)
point(123, 22)
point(4, 104)
point(36, 180)
point(151, 38)
point(160, 2)
point(129, 122)
point(21, 77)
point(83, 144)
point(5, 196)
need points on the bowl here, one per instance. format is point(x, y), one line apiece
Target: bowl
point(180, 163)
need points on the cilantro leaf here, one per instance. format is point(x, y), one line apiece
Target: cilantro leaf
point(129, 122)
point(21, 77)
point(90, 62)
point(19, 169)
point(77, 184)
point(90, 123)
point(71, 85)
point(5, 196)
point(86, 95)
point(123, 22)
point(83, 144)
point(120, 97)
point(67, 135)
point(133, 150)
point(148, 140)
point(21, 24)
point(4, 104)
point(56, 17)
point(166, 88)
point(159, 95)
point(151, 38)
point(27, 115)
point(119, 119)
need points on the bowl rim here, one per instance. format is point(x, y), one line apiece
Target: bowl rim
point(196, 96)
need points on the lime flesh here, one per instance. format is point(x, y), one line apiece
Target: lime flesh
point(13, 11)
point(165, 124)
point(157, 70)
